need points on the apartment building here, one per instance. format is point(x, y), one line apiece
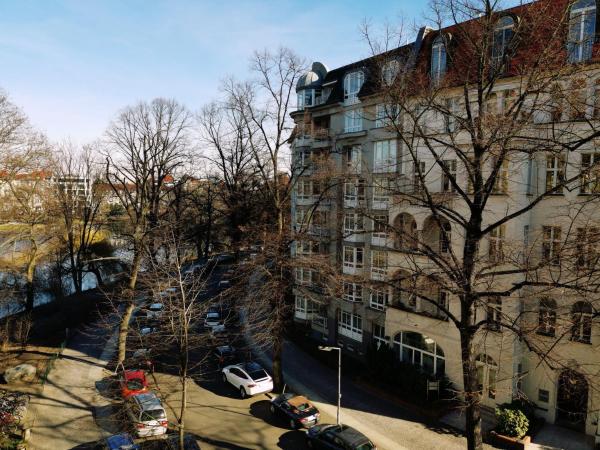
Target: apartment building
point(364, 164)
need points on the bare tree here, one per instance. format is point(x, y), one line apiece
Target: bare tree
point(495, 102)
point(147, 144)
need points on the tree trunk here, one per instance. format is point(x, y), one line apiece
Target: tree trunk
point(124, 326)
point(471, 393)
point(30, 288)
point(278, 380)
point(96, 271)
point(182, 414)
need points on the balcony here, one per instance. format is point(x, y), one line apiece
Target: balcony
point(352, 268)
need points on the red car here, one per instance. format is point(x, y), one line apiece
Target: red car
point(133, 382)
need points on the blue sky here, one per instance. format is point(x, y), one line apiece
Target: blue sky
point(71, 65)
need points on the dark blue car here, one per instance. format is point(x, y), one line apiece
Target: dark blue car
point(121, 441)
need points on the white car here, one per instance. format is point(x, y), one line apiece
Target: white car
point(249, 378)
point(154, 311)
point(147, 414)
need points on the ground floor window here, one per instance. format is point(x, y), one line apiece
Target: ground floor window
point(350, 325)
point(419, 350)
point(379, 334)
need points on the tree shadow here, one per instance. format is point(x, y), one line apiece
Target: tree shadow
point(111, 418)
point(108, 387)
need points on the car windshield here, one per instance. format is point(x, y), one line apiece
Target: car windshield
point(153, 414)
point(258, 374)
point(135, 385)
point(365, 446)
point(303, 407)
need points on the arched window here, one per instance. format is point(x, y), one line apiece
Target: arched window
point(547, 317)
point(582, 28)
point(438, 59)
point(406, 232)
point(419, 350)
point(581, 316)
point(503, 34)
point(352, 84)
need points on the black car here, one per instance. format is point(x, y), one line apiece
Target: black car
point(337, 437)
point(296, 409)
point(225, 355)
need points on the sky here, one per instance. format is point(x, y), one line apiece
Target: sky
point(71, 65)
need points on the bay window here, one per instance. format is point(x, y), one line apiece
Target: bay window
point(353, 292)
point(350, 325)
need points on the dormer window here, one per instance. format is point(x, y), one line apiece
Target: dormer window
point(582, 28)
point(352, 84)
point(438, 59)
point(389, 72)
point(503, 34)
point(306, 98)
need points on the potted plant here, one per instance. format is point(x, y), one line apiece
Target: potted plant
point(511, 429)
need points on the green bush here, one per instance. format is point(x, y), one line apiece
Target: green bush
point(511, 422)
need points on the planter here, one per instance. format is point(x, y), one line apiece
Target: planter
point(510, 443)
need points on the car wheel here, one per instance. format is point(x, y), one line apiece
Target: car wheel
point(243, 392)
point(272, 408)
point(292, 424)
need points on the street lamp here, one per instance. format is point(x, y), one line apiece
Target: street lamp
point(339, 396)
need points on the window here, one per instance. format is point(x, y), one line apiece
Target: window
point(304, 307)
point(543, 395)
point(496, 242)
point(303, 276)
point(420, 350)
point(354, 158)
point(354, 190)
point(445, 237)
point(438, 59)
point(379, 334)
point(384, 159)
point(590, 168)
point(350, 325)
point(380, 226)
point(551, 245)
point(386, 115)
point(306, 98)
point(487, 371)
point(353, 120)
point(301, 219)
point(547, 317)
point(353, 257)
point(378, 264)
point(555, 172)
point(578, 100)
point(378, 299)
point(406, 232)
point(556, 103)
point(382, 189)
point(353, 292)
point(352, 85)
point(494, 313)
point(353, 223)
point(503, 34)
point(390, 71)
point(307, 248)
point(304, 190)
point(582, 27)
point(581, 330)
point(450, 118)
point(501, 181)
point(588, 247)
point(448, 174)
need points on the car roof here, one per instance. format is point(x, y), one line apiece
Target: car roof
point(352, 436)
point(148, 400)
point(119, 440)
point(130, 374)
point(250, 366)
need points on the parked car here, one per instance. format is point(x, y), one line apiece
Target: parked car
point(147, 414)
point(296, 409)
point(133, 382)
point(249, 378)
point(171, 442)
point(122, 441)
point(337, 437)
point(213, 319)
point(225, 355)
point(154, 311)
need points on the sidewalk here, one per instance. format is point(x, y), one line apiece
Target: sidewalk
point(64, 414)
point(390, 426)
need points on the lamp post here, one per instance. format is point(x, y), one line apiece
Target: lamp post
point(339, 395)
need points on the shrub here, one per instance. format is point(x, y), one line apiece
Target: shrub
point(511, 422)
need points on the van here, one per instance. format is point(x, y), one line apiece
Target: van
point(147, 414)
